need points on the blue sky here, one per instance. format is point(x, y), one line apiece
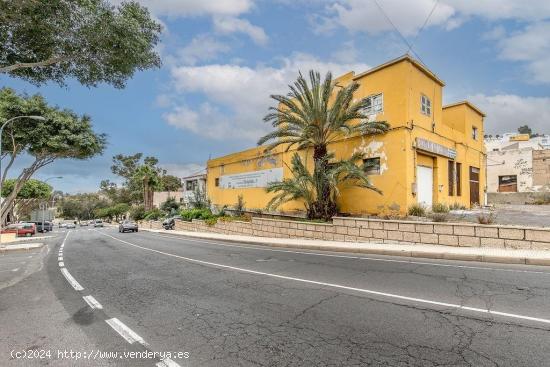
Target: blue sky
point(222, 59)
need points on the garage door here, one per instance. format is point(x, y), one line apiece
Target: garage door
point(425, 185)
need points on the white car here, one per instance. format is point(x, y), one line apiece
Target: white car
point(98, 223)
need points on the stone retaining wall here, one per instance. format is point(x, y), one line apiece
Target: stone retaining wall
point(377, 230)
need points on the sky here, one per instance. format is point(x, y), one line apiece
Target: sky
point(222, 59)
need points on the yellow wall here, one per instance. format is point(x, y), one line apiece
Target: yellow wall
point(402, 84)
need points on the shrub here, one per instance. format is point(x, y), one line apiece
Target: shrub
point(417, 210)
point(137, 212)
point(190, 214)
point(440, 208)
point(486, 218)
point(153, 214)
point(211, 221)
point(457, 206)
point(543, 200)
point(239, 206)
point(439, 217)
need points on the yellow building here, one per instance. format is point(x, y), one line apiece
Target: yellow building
point(432, 153)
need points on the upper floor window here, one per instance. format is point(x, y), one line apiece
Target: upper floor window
point(425, 105)
point(191, 185)
point(375, 104)
point(474, 133)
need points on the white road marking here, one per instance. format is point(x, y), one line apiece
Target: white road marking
point(3, 271)
point(60, 258)
point(93, 303)
point(339, 286)
point(61, 264)
point(15, 269)
point(72, 281)
point(124, 331)
point(167, 362)
point(259, 247)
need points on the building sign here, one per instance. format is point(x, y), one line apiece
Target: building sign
point(431, 147)
point(251, 179)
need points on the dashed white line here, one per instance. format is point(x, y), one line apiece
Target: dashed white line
point(72, 281)
point(167, 362)
point(61, 264)
point(339, 286)
point(93, 303)
point(60, 258)
point(366, 258)
point(124, 331)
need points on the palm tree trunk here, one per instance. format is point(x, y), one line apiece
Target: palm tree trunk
point(323, 208)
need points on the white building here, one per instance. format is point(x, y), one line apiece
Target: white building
point(191, 185)
point(511, 160)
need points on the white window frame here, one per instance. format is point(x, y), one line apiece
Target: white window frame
point(425, 105)
point(375, 108)
point(475, 132)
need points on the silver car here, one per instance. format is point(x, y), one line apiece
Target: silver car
point(98, 223)
point(128, 226)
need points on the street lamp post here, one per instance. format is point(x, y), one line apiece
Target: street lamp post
point(44, 205)
point(39, 118)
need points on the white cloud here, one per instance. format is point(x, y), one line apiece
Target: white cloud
point(531, 45)
point(239, 95)
point(229, 25)
point(408, 16)
point(202, 48)
point(185, 8)
point(506, 112)
point(365, 16)
point(183, 170)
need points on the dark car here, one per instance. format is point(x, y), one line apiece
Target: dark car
point(128, 226)
point(48, 226)
point(170, 223)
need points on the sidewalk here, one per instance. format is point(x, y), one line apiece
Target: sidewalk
point(484, 254)
point(20, 247)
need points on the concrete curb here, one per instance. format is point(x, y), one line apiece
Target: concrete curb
point(508, 257)
point(21, 247)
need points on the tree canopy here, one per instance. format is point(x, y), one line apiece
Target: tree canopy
point(92, 41)
point(62, 135)
point(31, 189)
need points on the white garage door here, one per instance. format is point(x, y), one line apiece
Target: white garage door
point(425, 185)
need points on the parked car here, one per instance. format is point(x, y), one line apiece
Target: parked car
point(170, 223)
point(21, 229)
point(127, 226)
point(62, 225)
point(48, 226)
point(70, 225)
point(98, 223)
point(84, 223)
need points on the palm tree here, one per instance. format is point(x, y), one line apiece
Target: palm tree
point(312, 116)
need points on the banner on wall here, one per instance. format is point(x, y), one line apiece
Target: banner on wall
point(251, 179)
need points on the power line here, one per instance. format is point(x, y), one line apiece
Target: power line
point(423, 25)
point(398, 31)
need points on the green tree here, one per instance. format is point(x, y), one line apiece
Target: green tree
point(89, 40)
point(525, 129)
point(170, 206)
point(81, 206)
point(31, 193)
point(63, 135)
point(312, 116)
point(170, 183)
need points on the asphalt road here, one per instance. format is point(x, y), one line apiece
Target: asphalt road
point(222, 304)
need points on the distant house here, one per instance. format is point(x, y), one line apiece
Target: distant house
point(160, 197)
point(518, 163)
point(192, 184)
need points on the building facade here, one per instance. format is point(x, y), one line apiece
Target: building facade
point(518, 163)
point(193, 185)
point(432, 153)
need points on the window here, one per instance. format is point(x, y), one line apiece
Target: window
point(375, 104)
point(458, 179)
point(451, 173)
point(474, 133)
point(217, 182)
point(425, 105)
point(372, 166)
point(191, 185)
point(508, 183)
